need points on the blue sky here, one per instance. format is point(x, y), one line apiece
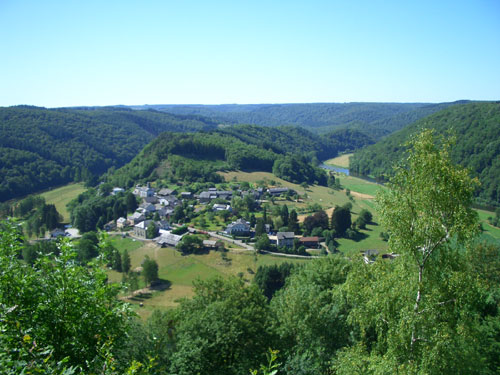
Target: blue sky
point(69, 53)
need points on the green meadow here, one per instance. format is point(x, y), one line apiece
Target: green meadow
point(61, 196)
point(179, 271)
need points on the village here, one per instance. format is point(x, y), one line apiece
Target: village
point(154, 216)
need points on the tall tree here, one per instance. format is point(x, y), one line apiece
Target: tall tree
point(149, 270)
point(424, 307)
point(428, 203)
point(284, 215)
point(341, 220)
point(125, 262)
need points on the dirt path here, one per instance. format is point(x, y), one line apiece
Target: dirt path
point(361, 195)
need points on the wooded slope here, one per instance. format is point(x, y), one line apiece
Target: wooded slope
point(40, 147)
point(374, 119)
point(477, 130)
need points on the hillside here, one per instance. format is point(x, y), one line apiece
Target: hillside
point(477, 130)
point(374, 119)
point(176, 157)
point(41, 148)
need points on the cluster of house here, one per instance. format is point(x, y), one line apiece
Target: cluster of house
point(164, 201)
point(241, 227)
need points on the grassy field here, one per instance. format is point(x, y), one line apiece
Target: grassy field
point(180, 271)
point(341, 161)
point(490, 233)
point(61, 196)
point(360, 186)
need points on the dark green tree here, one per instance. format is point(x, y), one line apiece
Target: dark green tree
point(149, 270)
point(126, 262)
point(152, 230)
point(224, 329)
point(259, 227)
point(293, 222)
point(116, 261)
point(190, 245)
point(284, 215)
point(341, 220)
point(131, 202)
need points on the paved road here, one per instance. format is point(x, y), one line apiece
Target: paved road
point(236, 242)
point(251, 248)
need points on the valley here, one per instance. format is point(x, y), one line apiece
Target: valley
point(240, 213)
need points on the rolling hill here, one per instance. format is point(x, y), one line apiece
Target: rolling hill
point(41, 148)
point(374, 119)
point(477, 130)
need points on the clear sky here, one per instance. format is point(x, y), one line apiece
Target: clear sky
point(69, 53)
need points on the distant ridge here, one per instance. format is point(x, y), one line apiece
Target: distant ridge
point(374, 119)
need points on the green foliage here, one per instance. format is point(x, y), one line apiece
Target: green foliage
point(420, 313)
point(224, 329)
point(477, 147)
point(149, 270)
point(297, 169)
point(376, 119)
point(272, 278)
point(190, 245)
point(366, 215)
point(151, 231)
point(56, 313)
point(271, 368)
point(90, 209)
point(42, 148)
point(311, 315)
point(263, 243)
point(126, 264)
point(341, 220)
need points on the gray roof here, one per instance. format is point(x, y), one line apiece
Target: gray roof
point(166, 191)
point(205, 194)
point(169, 239)
point(278, 190)
point(285, 235)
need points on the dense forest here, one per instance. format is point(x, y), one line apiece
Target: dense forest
point(434, 309)
point(41, 148)
point(476, 127)
point(289, 152)
point(374, 119)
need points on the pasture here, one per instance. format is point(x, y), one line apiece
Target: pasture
point(61, 196)
point(179, 271)
point(341, 161)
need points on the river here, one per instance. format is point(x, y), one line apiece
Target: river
point(335, 169)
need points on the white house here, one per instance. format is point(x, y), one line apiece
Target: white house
point(238, 227)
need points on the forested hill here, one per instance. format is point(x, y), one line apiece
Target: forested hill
point(374, 119)
point(477, 130)
point(286, 151)
point(293, 139)
point(40, 148)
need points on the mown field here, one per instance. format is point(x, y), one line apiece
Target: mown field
point(341, 161)
point(179, 271)
point(61, 196)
